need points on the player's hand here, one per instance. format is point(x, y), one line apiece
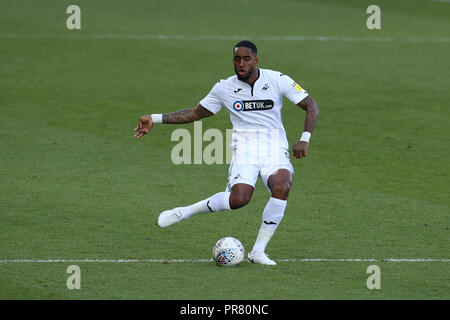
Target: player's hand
point(144, 126)
point(300, 149)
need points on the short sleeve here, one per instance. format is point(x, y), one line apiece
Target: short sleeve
point(291, 89)
point(212, 101)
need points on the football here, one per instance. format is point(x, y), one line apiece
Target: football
point(228, 252)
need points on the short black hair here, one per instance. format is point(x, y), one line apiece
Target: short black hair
point(247, 44)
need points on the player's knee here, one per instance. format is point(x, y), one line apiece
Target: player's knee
point(239, 200)
point(281, 190)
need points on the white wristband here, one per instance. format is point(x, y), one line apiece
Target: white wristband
point(157, 118)
point(305, 136)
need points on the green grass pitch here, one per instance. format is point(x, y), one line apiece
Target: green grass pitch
point(74, 184)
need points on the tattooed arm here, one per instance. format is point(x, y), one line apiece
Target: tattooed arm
point(146, 122)
point(186, 115)
point(312, 113)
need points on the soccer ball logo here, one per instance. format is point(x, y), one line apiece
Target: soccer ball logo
point(228, 252)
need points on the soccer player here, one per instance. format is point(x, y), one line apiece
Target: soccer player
point(260, 148)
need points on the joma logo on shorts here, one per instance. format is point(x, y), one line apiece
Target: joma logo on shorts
point(253, 105)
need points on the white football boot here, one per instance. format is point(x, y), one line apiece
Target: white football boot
point(169, 217)
point(260, 258)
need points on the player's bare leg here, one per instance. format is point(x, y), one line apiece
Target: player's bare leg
point(280, 184)
point(239, 196)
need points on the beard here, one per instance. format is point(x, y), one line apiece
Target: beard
point(246, 77)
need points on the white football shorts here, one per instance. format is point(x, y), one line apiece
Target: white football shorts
point(248, 164)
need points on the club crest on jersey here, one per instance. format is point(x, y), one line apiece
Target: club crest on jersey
point(266, 88)
point(253, 105)
point(238, 105)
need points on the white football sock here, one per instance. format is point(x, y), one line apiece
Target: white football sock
point(272, 215)
point(218, 202)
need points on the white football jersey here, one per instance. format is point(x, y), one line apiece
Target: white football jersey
point(257, 108)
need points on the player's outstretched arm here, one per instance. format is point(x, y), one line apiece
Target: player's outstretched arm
point(186, 115)
point(308, 104)
point(147, 122)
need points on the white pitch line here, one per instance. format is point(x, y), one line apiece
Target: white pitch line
point(103, 260)
point(365, 260)
point(221, 37)
point(210, 260)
